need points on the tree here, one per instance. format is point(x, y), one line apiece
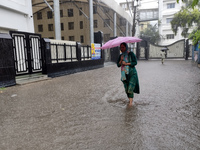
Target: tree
point(194, 3)
point(151, 34)
point(187, 18)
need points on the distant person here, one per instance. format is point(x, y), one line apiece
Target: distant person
point(163, 55)
point(127, 61)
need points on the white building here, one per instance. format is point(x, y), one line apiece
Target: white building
point(167, 9)
point(16, 15)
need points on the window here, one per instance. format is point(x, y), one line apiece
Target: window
point(170, 36)
point(71, 38)
point(63, 38)
point(61, 13)
point(106, 22)
point(71, 25)
point(51, 37)
point(122, 22)
point(80, 13)
point(40, 28)
point(50, 27)
point(81, 24)
point(168, 20)
point(106, 37)
point(70, 13)
point(170, 5)
point(39, 15)
point(62, 26)
point(95, 24)
point(49, 15)
point(94, 9)
point(82, 39)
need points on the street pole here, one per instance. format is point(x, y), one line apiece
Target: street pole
point(91, 21)
point(134, 15)
point(57, 19)
point(115, 24)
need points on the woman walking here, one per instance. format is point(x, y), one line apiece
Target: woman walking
point(127, 61)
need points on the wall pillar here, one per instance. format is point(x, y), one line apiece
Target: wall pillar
point(7, 70)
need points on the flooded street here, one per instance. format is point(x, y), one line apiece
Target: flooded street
point(88, 111)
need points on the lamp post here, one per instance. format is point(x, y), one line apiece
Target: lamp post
point(134, 16)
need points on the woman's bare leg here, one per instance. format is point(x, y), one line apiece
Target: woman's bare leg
point(130, 101)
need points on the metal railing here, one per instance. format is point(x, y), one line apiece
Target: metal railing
point(86, 52)
point(63, 51)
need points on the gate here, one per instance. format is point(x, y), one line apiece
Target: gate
point(142, 50)
point(176, 50)
point(27, 52)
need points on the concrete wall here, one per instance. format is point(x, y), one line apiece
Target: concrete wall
point(16, 15)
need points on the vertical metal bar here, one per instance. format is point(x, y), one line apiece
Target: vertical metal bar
point(36, 50)
point(65, 53)
point(87, 51)
point(198, 53)
point(33, 53)
point(37, 53)
point(20, 54)
point(91, 21)
point(27, 48)
point(17, 52)
point(14, 49)
point(83, 53)
point(115, 24)
point(56, 52)
point(71, 51)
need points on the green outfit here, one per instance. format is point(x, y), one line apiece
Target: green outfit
point(130, 77)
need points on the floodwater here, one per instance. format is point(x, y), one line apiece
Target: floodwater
point(88, 111)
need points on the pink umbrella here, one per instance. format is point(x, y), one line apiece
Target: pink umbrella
point(117, 41)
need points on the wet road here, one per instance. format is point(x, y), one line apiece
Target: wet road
point(88, 111)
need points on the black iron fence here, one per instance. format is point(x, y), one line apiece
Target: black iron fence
point(85, 52)
point(63, 53)
point(66, 57)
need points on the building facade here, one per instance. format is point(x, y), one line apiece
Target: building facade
point(16, 15)
point(164, 11)
point(167, 9)
point(74, 21)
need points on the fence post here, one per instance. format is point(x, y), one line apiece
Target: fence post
point(78, 51)
point(46, 55)
point(187, 49)
point(138, 51)
point(7, 69)
point(146, 50)
point(193, 52)
point(199, 53)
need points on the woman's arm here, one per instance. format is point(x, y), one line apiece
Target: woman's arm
point(120, 60)
point(133, 60)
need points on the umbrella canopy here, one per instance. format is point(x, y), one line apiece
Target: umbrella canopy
point(117, 41)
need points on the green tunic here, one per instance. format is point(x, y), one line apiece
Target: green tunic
point(131, 84)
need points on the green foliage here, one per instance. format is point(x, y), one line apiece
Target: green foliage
point(151, 34)
point(185, 19)
point(195, 36)
point(193, 4)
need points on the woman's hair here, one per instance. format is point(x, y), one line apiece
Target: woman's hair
point(123, 44)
